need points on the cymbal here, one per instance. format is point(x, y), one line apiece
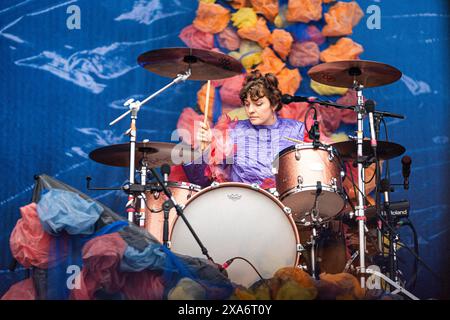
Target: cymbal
point(204, 64)
point(343, 73)
point(154, 153)
point(385, 150)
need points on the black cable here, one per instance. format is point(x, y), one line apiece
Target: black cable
point(409, 224)
point(355, 187)
point(306, 116)
point(265, 281)
point(373, 175)
point(388, 172)
point(409, 249)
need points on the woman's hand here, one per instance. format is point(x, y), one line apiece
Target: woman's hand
point(204, 135)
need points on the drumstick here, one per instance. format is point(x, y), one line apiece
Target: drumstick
point(208, 88)
point(294, 140)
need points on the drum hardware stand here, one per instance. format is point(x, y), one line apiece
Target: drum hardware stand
point(166, 208)
point(180, 213)
point(315, 223)
point(134, 107)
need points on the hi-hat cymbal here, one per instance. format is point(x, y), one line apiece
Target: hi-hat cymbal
point(385, 150)
point(204, 64)
point(155, 154)
point(344, 73)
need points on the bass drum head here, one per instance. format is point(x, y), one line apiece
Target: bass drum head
point(237, 220)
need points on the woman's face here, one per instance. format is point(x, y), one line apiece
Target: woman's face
point(260, 111)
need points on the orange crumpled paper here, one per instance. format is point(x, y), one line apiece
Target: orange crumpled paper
point(237, 4)
point(348, 283)
point(270, 62)
point(268, 8)
point(211, 17)
point(282, 42)
point(304, 10)
point(289, 80)
point(259, 33)
point(341, 18)
point(229, 39)
point(195, 38)
point(344, 49)
point(304, 54)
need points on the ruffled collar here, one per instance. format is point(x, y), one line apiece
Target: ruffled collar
point(276, 125)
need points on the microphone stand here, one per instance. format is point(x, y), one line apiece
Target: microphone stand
point(134, 107)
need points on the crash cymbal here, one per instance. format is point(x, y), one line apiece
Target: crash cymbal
point(385, 150)
point(343, 73)
point(155, 153)
point(204, 64)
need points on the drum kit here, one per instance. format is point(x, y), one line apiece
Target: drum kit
point(245, 226)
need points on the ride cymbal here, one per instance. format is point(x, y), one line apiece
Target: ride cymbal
point(155, 154)
point(344, 73)
point(204, 64)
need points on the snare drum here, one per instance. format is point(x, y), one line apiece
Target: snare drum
point(238, 220)
point(301, 171)
point(154, 213)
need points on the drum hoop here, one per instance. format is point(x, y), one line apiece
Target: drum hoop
point(310, 146)
point(264, 192)
point(304, 146)
point(314, 187)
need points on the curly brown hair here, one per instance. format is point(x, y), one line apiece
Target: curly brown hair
point(256, 85)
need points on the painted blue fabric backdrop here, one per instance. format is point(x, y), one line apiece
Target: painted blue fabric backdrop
point(60, 88)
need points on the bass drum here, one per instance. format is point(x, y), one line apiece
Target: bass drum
point(239, 220)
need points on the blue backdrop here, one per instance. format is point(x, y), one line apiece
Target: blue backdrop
point(60, 88)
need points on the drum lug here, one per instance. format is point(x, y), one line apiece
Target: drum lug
point(297, 152)
point(215, 184)
point(333, 183)
point(330, 154)
point(299, 182)
point(255, 186)
point(274, 170)
point(300, 247)
point(287, 210)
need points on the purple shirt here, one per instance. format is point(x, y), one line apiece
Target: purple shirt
point(256, 148)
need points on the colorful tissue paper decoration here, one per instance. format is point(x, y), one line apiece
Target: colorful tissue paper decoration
point(195, 38)
point(282, 42)
point(211, 17)
point(341, 19)
point(304, 10)
point(285, 38)
point(344, 49)
point(268, 8)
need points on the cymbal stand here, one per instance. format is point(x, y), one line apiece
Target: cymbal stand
point(360, 208)
point(134, 107)
point(142, 196)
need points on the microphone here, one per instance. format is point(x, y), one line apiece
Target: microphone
point(287, 98)
point(165, 169)
point(406, 170)
point(369, 105)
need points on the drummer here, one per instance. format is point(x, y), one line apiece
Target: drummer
point(246, 150)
